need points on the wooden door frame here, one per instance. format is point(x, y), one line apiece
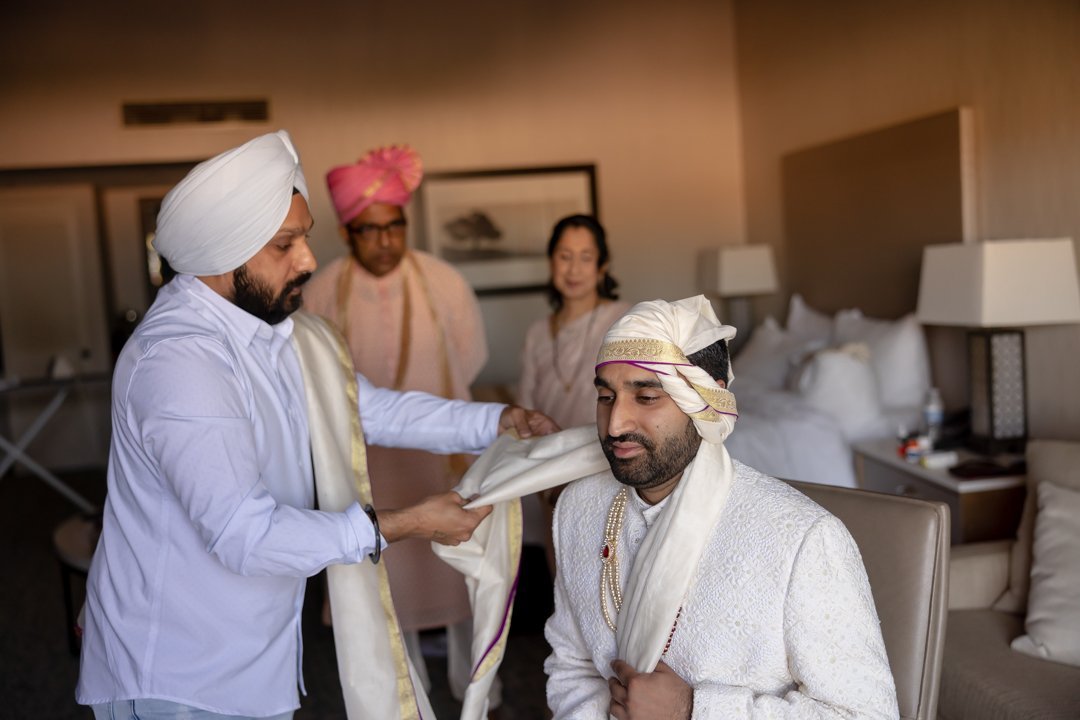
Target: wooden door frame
point(101, 178)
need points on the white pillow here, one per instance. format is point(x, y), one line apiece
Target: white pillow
point(1053, 616)
point(769, 355)
point(840, 382)
point(807, 322)
point(898, 354)
point(1055, 461)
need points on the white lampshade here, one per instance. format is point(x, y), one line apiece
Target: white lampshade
point(999, 283)
point(738, 270)
point(997, 288)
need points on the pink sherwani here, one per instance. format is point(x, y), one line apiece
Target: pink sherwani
point(427, 592)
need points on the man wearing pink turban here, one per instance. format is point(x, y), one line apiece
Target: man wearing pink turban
point(411, 323)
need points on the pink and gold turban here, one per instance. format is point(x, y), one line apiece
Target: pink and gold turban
point(387, 175)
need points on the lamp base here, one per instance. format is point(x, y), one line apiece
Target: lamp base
point(998, 391)
point(740, 315)
point(994, 446)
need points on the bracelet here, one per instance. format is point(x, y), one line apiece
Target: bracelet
point(378, 538)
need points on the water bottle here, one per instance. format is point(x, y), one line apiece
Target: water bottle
point(933, 416)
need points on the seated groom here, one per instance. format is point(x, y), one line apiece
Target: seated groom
point(690, 585)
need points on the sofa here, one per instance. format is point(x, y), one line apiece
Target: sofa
point(1012, 639)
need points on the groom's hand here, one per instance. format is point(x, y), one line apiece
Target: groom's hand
point(659, 695)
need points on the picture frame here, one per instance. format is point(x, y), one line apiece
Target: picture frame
point(130, 219)
point(493, 225)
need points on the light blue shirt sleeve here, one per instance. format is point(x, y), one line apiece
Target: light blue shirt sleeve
point(195, 425)
point(422, 421)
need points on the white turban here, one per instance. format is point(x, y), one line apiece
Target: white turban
point(230, 206)
point(657, 336)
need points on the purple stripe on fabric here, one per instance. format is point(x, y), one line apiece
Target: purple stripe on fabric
point(505, 617)
point(643, 365)
point(718, 412)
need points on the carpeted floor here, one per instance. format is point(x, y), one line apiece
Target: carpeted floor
point(38, 672)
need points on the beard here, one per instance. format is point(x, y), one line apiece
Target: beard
point(658, 464)
point(253, 296)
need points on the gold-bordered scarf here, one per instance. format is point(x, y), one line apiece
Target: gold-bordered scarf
point(490, 560)
point(377, 679)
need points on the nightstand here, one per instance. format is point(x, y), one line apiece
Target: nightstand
point(981, 509)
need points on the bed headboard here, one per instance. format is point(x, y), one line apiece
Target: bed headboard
point(858, 212)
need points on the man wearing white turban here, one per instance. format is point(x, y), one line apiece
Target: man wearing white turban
point(228, 417)
point(690, 585)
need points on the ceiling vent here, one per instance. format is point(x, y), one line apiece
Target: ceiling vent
point(196, 112)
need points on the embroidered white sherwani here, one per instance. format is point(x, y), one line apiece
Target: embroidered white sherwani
point(778, 622)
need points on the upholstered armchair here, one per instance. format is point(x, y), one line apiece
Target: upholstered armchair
point(1014, 606)
point(905, 547)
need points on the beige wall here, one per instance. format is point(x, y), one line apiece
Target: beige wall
point(648, 94)
point(814, 72)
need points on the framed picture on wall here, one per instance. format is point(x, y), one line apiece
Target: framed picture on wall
point(493, 225)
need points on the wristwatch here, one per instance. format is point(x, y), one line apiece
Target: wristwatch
point(377, 553)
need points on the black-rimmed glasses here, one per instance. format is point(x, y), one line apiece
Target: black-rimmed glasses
point(370, 232)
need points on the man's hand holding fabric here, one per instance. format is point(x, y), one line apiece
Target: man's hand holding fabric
point(526, 423)
point(439, 518)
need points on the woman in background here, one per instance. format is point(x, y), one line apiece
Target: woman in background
point(560, 350)
point(557, 365)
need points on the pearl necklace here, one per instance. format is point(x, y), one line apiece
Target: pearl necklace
point(610, 592)
point(609, 558)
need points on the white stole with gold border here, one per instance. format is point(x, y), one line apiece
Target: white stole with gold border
point(377, 679)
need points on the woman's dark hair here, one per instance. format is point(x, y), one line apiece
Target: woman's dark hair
point(607, 285)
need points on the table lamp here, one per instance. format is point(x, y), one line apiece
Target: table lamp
point(998, 287)
point(735, 273)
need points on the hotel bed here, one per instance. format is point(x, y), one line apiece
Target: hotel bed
point(807, 391)
point(851, 362)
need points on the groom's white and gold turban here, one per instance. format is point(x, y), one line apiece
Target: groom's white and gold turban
point(657, 336)
point(228, 207)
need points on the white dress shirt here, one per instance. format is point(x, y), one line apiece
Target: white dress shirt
point(196, 587)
